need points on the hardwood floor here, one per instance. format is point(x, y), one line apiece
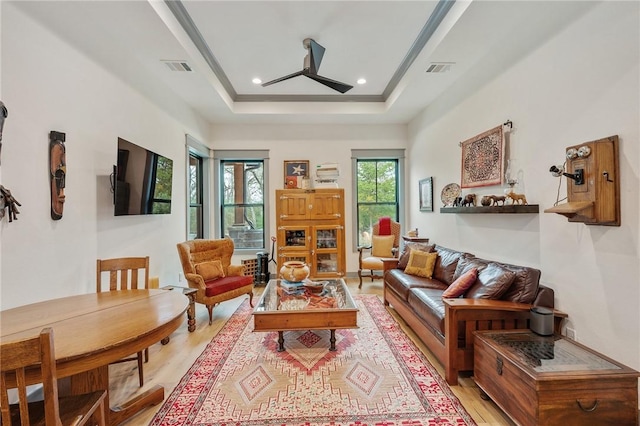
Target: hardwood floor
point(168, 363)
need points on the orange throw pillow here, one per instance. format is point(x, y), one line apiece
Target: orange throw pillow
point(210, 270)
point(462, 284)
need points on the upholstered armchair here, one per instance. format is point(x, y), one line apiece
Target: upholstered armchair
point(383, 245)
point(207, 267)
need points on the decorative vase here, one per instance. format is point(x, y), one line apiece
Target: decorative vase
point(294, 271)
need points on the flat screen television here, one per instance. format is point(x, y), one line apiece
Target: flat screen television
point(143, 181)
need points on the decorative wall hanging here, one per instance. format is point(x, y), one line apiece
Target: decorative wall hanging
point(295, 172)
point(426, 194)
point(58, 172)
point(8, 202)
point(482, 159)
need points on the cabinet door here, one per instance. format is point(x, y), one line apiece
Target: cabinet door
point(326, 251)
point(300, 256)
point(292, 206)
point(294, 238)
point(327, 205)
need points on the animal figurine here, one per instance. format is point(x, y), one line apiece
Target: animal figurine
point(469, 200)
point(496, 199)
point(457, 201)
point(485, 201)
point(517, 198)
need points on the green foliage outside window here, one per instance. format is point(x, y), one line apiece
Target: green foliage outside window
point(377, 195)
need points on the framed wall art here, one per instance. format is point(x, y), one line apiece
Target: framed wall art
point(426, 194)
point(483, 159)
point(294, 172)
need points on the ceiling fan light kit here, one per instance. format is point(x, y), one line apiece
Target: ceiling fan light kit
point(310, 68)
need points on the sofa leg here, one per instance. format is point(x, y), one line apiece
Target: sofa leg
point(210, 309)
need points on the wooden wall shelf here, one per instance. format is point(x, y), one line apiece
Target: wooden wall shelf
point(512, 209)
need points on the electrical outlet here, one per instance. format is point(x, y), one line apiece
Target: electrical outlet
point(571, 333)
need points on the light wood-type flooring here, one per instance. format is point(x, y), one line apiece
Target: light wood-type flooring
point(168, 363)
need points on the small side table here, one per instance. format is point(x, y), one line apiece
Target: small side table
point(415, 239)
point(191, 310)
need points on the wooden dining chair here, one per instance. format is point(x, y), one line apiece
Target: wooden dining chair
point(125, 273)
point(76, 410)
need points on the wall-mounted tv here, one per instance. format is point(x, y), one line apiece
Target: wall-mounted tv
point(143, 181)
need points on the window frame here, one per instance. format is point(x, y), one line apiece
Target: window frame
point(377, 155)
point(221, 156)
point(203, 154)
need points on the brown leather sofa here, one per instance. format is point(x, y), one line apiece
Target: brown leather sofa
point(501, 298)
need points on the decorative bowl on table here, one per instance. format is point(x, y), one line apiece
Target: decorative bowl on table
point(294, 271)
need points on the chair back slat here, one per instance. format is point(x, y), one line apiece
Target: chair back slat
point(124, 273)
point(15, 358)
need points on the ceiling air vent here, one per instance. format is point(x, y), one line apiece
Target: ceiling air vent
point(437, 67)
point(178, 65)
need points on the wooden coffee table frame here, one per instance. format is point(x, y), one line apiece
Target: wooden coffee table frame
point(267, 317)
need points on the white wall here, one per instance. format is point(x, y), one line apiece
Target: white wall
point(582, 85)
point(48, 85)
point(318, 144)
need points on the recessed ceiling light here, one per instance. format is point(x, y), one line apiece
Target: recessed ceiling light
point(361, 81)
point(256, 81)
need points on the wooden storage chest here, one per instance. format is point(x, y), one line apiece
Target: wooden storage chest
point(552, 380)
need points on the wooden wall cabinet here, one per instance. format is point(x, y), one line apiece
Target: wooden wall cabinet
point(310, 228)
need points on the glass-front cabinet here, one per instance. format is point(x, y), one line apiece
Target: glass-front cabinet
point(310, 225)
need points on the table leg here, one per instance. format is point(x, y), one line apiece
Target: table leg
point(280, 341)
point(191, 312)
point(98, 379)
point(332, 347)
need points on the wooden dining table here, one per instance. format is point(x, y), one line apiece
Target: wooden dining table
point(92, 330)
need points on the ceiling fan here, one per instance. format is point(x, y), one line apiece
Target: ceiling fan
point(310, 69)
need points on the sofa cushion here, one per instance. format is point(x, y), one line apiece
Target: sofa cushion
point(406, 252)
point(382, 245)
point(210, 270)
point(525, 286)
point(225, 284)
point(446, 264)
point(428, 305)
point(400, 283)
point(493, 281)
point(421, 263)
point(460, 285)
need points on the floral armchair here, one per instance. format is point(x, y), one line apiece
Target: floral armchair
point(207, 267)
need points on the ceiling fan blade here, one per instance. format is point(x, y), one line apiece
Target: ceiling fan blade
point(316, 53)
point(286, 77)
point(335, 85)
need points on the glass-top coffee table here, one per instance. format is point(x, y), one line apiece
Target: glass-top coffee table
point(288, 306)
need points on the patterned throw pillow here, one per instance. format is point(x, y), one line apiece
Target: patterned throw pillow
point(382, 245)
point(460, 285)
point(210, 270)
point(406, 252)
point(421, 263)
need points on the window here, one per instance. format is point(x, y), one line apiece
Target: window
point(241, 194)
point(195, 216)
point(378, 183)
point(198, 210)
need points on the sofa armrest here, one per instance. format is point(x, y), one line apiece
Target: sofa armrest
point(235, 270)
point(389, 263)
point(195, 281)
point(464, 316)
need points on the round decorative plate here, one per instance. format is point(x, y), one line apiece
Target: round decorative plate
point(449, 193)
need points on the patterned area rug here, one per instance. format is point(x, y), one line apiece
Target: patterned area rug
point(377, 376)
